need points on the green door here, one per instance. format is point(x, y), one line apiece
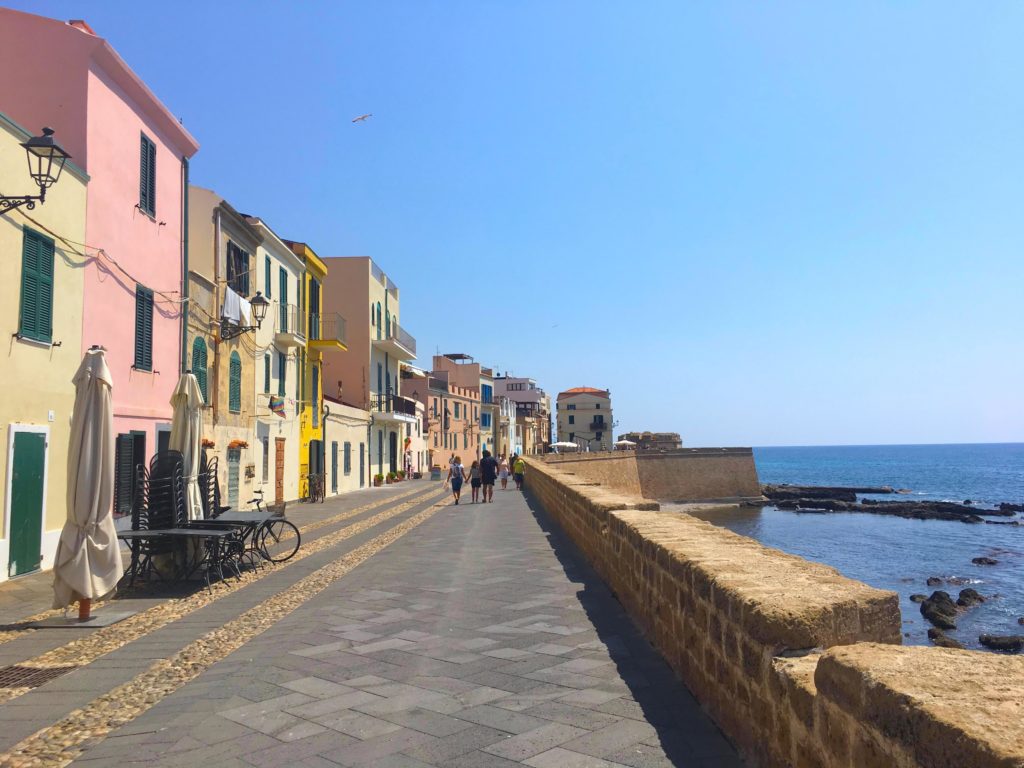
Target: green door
point(27, 502)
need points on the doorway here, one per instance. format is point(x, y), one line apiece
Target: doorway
point(234, 460)
point(279, 470)
point(362, 465)
point(26, 497)
point(393, 451)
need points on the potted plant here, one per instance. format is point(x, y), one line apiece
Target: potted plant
point(390, 478)
point(401, 474)
point(378, 480)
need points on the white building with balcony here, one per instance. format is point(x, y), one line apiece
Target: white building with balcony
point(278, 347)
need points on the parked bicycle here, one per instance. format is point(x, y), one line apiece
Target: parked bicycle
point(273, 532)
point(315, 488)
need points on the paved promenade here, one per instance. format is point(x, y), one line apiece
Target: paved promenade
point(414, 633)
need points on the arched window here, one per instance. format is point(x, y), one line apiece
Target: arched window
point(235, 384)
point(387, 327)
point(199, 365)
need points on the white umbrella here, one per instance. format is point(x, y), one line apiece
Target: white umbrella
point(564, 444)
point(186, 426)
point(625, 443)
point(88, 562)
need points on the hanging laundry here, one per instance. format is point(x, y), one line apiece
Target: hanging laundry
point(232, 309)
point(277, 405)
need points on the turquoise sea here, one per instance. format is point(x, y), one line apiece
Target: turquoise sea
point(898, 554)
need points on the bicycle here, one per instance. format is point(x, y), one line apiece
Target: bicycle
point(273, 532)
point(315, 489)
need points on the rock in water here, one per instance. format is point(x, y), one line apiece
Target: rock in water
point(1007, 643)
point(940, 610)
point(984, 561)
point(1021, 621)
point(933, 581)
point(969, 597)
point(1011, 507)
point(918, 598)
point(939, 638)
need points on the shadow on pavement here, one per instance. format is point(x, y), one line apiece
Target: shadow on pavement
point(687, 733)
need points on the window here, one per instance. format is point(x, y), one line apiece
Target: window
point(238, 269)
point(36, 320)
point(597, 435)
point(486, 394)
point(282, 373)
point(485, 420)
point(129, 451)
point(571, 407)
point(266, 458)
point(435, 439)
point(199, 365)
point(334, 466)
point(143, 328)
point(282, 299)
point(266, 277)
point(147, 176)
point(266, 373)
point(435, 407)
point(457, 410)
point(347, 458)
point(572, 436)
point(465, 441)
point(315, 399)
point(572, 419)
point(235, 384)
point(597, 405)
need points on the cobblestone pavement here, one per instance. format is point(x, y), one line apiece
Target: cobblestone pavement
point(478, 638)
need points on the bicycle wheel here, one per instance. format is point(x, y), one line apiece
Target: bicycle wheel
point(279, 532)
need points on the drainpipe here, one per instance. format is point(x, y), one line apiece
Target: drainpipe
point(184, 266)
point(217, 301)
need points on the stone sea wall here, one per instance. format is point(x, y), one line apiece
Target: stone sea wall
point(799, 665)
point(688, 474)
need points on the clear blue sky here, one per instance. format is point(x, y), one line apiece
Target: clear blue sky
point(756, 223)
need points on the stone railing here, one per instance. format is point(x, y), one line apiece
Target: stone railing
point(798, 664)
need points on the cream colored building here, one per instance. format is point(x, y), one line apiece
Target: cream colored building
point(279, 274)
point(346, 429)
point(585, 418)
point(44, 349)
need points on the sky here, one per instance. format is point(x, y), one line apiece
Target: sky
point(789, 223)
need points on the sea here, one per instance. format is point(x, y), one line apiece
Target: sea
point(898, 554)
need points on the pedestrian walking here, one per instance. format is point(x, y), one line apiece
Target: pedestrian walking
point(503, 473)
point(456, 476)
point(474, 480)
point(518, 471)
point(488, 474)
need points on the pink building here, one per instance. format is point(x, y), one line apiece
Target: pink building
point(136, 155)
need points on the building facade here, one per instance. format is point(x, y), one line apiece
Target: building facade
point(452, 414)
point(368, 377)
point(42, 301)
point(585, 418)
point(345, 429)
point(533, 411)
point(280, 274)
point(654, 441)
point(136, 154)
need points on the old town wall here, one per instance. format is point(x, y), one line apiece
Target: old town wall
point(797, 664)
point(688, 474)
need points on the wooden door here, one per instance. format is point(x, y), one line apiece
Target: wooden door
point(279, 470)
point(27, 473)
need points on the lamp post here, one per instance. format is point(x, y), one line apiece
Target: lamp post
point(45, 162)
point(228, 330)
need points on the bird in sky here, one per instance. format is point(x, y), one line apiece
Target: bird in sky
point(362, 118)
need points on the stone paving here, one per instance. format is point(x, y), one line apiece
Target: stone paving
point(480, 638)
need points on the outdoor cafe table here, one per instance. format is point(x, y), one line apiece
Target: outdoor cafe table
point(135, 540)
point(250, 522)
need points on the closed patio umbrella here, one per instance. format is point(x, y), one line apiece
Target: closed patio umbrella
point(186, 426)
point(88, 562)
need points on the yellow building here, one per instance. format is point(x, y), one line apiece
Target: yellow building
point(41, 301)
point(325, 334)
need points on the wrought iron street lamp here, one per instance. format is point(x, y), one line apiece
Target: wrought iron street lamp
point(45, 162)
point(228, 329)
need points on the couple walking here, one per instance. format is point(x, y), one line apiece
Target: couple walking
point(482, 474)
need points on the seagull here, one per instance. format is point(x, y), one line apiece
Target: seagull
point(362, 118)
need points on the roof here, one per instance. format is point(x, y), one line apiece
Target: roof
point(583, 391)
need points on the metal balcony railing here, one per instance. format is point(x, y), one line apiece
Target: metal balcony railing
point(598, 426)
point(329, 326)
point(287, 319)
point(383, 403)
point(396, 333)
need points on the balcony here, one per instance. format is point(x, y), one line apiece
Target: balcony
point(392, 407)
point(288, 326)
point(598, 426)
point(327, 331)
point(396, 342)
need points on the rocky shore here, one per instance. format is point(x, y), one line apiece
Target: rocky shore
point(824, 499)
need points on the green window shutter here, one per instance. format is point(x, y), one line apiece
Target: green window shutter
point(266, 373)
point(143, 328)
point(199, 365)
point(123, 474)
point(266, 277)
point(348, 458)
point(282, 373)
point(235, 384)
point(36, 318)
point(147, 176)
